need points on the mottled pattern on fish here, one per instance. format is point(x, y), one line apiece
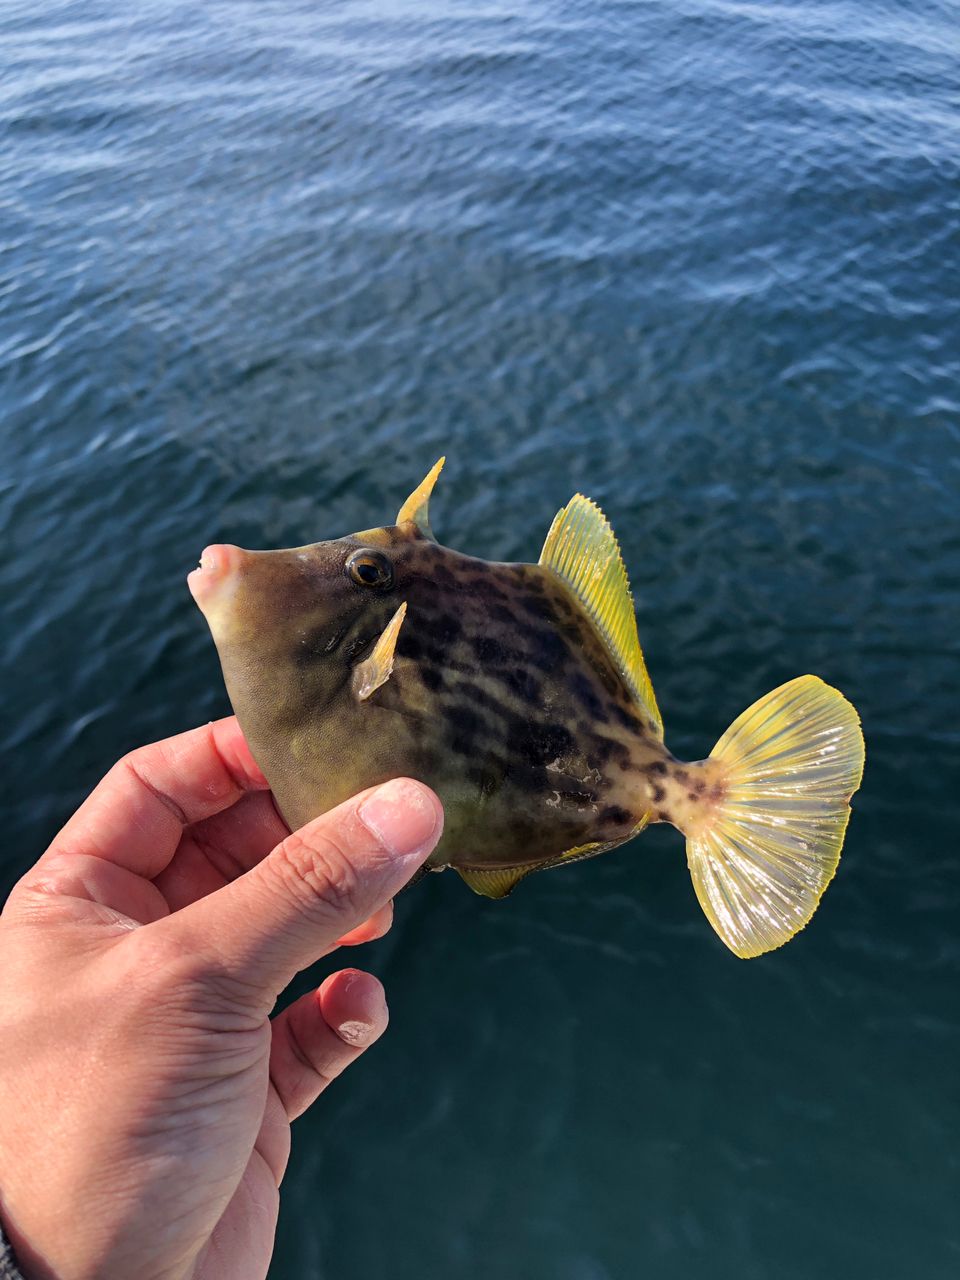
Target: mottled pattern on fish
point(518, 692)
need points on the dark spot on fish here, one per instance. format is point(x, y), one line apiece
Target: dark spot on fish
point(503, 614)
point(557, 740)
point(408, 646)
point(582, 688)
point(606, 749)
point(663, 815)
point(536, 743)
point(432, 678)
point(681, 775)
point(658, 793)
point(717, 792)
point(526, 777)
point(446, 629)
point(658, 767)
point(590, 652)
point(488, 649)
point(621, 715)
point(615, 815)
point(484, 586)
point(485, 779)
point(699, 786)
point(464, 728)
point(523, 684)
point(546, 649)
point(534, 606)
point(442, 574)
point(691, 795)
point(421, 649)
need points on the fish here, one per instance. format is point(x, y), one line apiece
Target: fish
point(520, 694)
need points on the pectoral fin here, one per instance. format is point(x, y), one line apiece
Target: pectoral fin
point(375, 671)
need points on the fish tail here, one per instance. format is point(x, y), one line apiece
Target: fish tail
point(765, 842)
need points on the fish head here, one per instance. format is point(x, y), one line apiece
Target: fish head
point(303, 614)
point(292, 626)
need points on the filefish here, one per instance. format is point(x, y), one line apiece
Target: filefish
point(519, 692)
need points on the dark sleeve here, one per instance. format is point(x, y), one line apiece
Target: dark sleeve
point(9, 1269)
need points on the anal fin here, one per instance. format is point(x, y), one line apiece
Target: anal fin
point(494, 882)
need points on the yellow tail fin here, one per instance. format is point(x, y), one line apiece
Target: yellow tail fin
point(765, 851)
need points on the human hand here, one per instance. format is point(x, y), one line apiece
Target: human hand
point(145, 1094)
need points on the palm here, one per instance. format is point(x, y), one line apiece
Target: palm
point(242, 1241)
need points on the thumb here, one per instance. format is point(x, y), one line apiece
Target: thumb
point(316, 885)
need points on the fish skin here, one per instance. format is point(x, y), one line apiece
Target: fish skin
point(503, 698)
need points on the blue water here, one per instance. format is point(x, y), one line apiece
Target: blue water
point(260, 264)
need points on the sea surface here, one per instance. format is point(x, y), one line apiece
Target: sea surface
point(260, 264)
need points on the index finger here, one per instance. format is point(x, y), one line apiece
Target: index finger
point(136, 815)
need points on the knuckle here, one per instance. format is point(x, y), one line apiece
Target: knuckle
point(323, 875)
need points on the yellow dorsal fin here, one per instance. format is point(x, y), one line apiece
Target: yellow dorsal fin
point(416, 507)
point(494, 882)
point(374, 671)
point(581, 549)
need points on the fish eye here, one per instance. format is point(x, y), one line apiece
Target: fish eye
point(370, 569)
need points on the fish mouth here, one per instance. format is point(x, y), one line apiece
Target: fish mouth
point(215, 578)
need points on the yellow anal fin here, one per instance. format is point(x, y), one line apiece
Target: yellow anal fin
point(500, 882)
point(765, 847)
point(583, 851)
point(376, 670)
point(582, 550)
point(600, 846)
point(494, 882)
point(417, 506)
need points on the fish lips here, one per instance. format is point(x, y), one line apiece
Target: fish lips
point(214, 583)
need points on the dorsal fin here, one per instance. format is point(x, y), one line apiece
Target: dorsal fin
point(375, 671)
point(417, 506)
point(581, 549)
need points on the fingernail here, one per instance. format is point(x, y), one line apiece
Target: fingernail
point(355, 1032)
point(403, 816)
point(367, 1005)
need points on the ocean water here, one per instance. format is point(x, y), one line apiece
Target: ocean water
point(260, 264)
